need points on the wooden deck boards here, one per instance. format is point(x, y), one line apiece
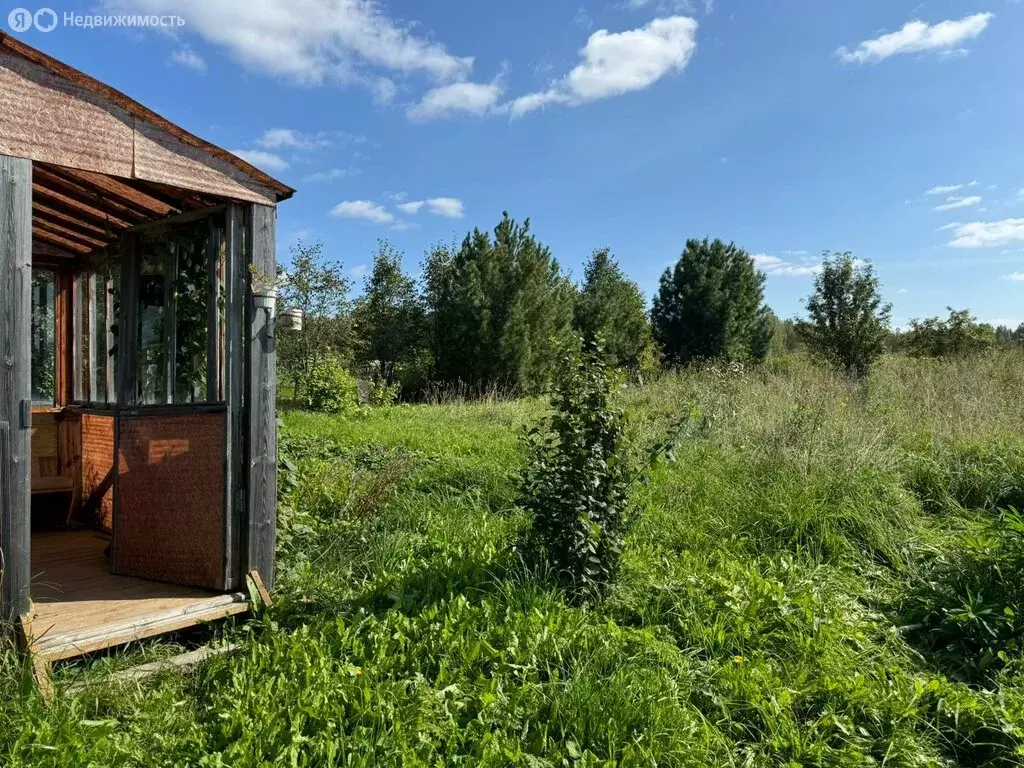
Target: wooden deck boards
point(79, 606)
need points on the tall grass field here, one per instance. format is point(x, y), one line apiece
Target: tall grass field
point(829, 574)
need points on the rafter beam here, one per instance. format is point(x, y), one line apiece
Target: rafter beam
point(79, 207)
point(62, 242)
point(82, 193)
point(124, 193)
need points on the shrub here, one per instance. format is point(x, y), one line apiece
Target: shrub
point(575, 482)
point(577, 476)
point(330, 388)
point(961, 335)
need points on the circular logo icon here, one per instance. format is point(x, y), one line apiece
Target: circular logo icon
point(20, 19)
point(45, 19)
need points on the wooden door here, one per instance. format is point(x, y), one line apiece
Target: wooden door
point(169, 521)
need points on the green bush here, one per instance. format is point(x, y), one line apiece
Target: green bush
point(575, 482)
point(331, 389)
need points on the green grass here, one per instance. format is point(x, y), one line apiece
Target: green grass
point(822, 578)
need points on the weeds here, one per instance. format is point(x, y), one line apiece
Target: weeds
point(824, 577)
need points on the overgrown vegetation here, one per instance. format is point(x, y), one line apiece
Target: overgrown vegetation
point(829, 574)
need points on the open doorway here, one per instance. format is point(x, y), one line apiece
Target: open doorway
point(131, 439)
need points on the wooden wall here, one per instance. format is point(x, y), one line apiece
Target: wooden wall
point(97, 469)
point(169, 514)
point(15, 382)
point(50, 119)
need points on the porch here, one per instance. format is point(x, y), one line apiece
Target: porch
point(79, 606)
point(137, 376)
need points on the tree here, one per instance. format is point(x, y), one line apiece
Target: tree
point(709, 304)
point(498, 309)
point(610, 306)
point(849, 323)
point(769, 336)
point(959, 335)
point(319, 288)
point(389, 316)
point(1018, 337)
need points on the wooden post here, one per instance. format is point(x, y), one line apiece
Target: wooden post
point(90, 313)
point(261, 404)
point(72, 327)
point(170, 324)
point(109, 388)
point(15, 382)
point(233, 372)
point(128, 324)
point(213, 314)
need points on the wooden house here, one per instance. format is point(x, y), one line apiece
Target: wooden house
point(137, 431)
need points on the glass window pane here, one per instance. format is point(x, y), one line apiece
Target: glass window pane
point(154, 296)
point(97, 293)
point(191, 297)
point(175, 298)
point(44, 346)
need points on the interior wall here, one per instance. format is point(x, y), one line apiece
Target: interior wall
point(98, 469)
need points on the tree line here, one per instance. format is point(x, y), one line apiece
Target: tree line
point(493, 313)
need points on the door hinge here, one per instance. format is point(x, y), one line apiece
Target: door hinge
point(26, 414)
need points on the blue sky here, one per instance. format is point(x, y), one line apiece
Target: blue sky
point(889, 128)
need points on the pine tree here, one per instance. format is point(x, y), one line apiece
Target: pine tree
point(497, 307)
point(610, 306)
point(708, 305)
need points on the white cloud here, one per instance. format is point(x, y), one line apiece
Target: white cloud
point(384, 90)
point(614, 63)
point(952, 203)
point(583, 19)
point(950, 188)
point(1017, 277)
point(276, 138)
point(186, 57)
point(450, 207)
point(268, 161)
point(332, 174)
point(916, 37)
point(985, 234)
point(472, 98)
point(362, 209)
point(359, 270)
point(310, 41)
point(398, 197)
point(951, 225)
point(773, 265)
point(411, 208)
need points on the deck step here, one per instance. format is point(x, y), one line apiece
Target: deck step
point(67, 645)
point(181, 662)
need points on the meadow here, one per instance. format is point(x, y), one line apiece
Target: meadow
point(829, 573)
